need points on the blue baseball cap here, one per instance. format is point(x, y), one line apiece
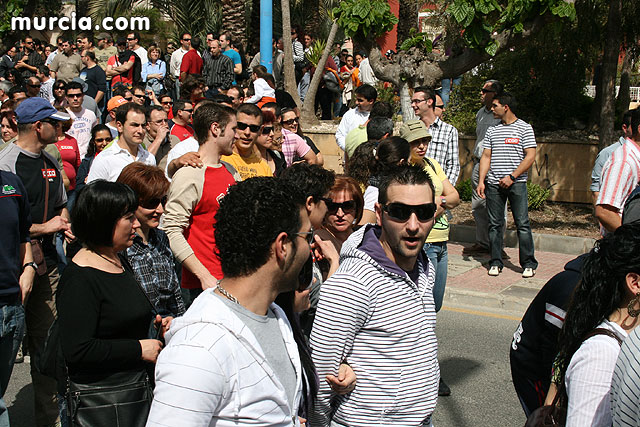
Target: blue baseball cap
point(33, 109)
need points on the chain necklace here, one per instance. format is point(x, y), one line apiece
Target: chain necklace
point(108, 260)
point(225, 293)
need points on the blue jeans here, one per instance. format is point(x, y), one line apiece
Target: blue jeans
point(447, 87)
point(438, 256)
point(11, 333)
point(496, 199)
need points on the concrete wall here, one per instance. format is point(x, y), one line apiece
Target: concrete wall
point(565, 165)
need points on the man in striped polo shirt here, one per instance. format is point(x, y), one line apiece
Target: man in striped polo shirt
point(377, 313)
point(620, 176)
point(509, 152)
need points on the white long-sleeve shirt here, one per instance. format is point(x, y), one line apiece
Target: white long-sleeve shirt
point(213, 372)
point(588, 379)
point(176, 61)
point(351, 120)
point(261, 88)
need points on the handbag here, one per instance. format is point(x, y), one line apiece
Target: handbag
point(121, 399)
point(556, 414)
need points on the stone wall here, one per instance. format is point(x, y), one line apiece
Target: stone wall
point(564, 165)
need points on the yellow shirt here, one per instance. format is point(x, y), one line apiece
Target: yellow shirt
point(440, 230)
point(249, 167)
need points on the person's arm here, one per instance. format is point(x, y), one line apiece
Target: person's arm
point(609, 217)
point(237, 67)
point(453, 161)
point(342, 311)
point(485, 162)
point(144, 72)
point(188, 159)
point(109, 71)
point(65, 180)
point(343, 129)
point(125, 67)
point(450, 195)
point(525, 164)
point(28, 274)
point(163, 131)
point(184, 194)
point(55, 224)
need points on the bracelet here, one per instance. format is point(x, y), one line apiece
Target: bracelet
point(30, 264)
point(512, 178)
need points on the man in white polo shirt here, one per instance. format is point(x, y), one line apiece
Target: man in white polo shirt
point(509, 152)
point(131, 123)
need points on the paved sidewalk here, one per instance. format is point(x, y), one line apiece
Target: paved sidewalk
point(469, 285)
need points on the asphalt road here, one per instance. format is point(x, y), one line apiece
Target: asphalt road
point(474, 358)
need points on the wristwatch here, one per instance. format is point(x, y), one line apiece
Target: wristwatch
point(30, 264)
point(512, 178)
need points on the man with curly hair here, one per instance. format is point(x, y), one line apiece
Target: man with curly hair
point(232, 356)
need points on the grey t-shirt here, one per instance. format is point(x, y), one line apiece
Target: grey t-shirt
point(268, 335)
point(484, 120)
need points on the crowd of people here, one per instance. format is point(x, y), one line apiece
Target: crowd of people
point(170, 221)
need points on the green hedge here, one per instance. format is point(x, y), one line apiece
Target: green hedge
point(536, 194)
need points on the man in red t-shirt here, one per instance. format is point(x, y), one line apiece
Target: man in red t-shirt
point(182, 111)
point(194, 198)
point(191, 61)
point(120, 66)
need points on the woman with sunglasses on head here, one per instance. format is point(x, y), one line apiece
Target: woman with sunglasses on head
point(104, 316)
point(100, 138)
point(371, 159)
point(150, 255)
point(344, 211)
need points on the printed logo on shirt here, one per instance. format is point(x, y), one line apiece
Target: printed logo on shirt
point(8, 189)
point(48, 173)
point(512, 140)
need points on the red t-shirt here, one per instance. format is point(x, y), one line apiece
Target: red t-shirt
point(70, 154)
point(126, 79)
point(181, 132)
point(191, 63)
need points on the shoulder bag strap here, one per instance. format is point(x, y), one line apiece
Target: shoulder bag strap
point(46, 190)
point(603, 331)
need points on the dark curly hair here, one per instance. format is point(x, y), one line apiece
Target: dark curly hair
point(312, 180)
point(602, 288)
point(372, 157)
point(252, 214)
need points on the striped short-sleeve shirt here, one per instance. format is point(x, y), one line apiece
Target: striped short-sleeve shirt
point(507, 144)
point(620, 175)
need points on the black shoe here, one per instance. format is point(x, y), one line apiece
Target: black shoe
point(443, 389)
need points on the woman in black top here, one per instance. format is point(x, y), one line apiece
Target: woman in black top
point(104, 316)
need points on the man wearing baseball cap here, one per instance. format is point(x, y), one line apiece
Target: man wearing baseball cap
point(114, 103)
point(37, 127)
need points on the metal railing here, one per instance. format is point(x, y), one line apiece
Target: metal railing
point(590, 90)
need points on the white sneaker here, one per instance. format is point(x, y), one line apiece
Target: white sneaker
point(494, 270)
point(528, 272)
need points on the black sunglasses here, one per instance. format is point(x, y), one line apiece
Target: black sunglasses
point(487, 91)
point(129, 99)
point(30, 85)
point(154, 202)
point(186, 40)
point(290, 121)
point(266, 130)
point(52, 122)
point(252, 128)
point(167, 103)
point(402, 212)
point(308, 235)
point(348, 206)
point(103, 139)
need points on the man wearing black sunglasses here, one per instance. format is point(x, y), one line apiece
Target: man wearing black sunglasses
point(377, 312)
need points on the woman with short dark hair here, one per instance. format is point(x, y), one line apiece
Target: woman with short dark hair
point(104, 316)
point(150, 255)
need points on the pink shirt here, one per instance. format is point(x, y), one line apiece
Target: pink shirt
point(292, 145)
point(70, 154)
point(620, 175)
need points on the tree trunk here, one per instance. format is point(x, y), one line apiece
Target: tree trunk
point(594, 117)
point(234, 22)
point(308, 109)
point(407, 19)
point(289, 72)
point(405, 102)
point(609, 70)
point(624, 94)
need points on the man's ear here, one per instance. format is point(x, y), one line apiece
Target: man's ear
point(279, 247)
point(309, 204)
point(215, 129)
point(378, 208)
point(120, 127)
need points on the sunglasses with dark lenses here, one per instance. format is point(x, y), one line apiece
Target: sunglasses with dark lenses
point(154, 202)
point(52, 122)
point(102, 139)
point(129, 99)
point(252, 128)
point(402, 212)
point(487, 91)
point(267, 130)
point(348, 206)
point(186, 40)
point(167, 103)
point(290, 121)
point(190, 110)
point(30, 85)
point(308, 235)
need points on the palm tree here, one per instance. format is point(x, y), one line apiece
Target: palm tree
point(233, 20)
point(289, 72)
point(407, 19)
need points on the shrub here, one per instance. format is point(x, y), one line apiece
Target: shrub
point(536, 195)
point(465, 189)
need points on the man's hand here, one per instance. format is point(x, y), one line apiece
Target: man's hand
point(345, 382)
point(55, 224)
point(163, 131)
point(208, 281)
point(480, 190)
point(189, 159)
point(324, 249)
point(505, 182)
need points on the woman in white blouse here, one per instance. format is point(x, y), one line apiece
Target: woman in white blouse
point(608, 298)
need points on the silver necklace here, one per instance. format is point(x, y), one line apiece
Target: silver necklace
point(225, 293)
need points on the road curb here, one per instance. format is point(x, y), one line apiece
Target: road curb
point(497, 303)
point(542, 242)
